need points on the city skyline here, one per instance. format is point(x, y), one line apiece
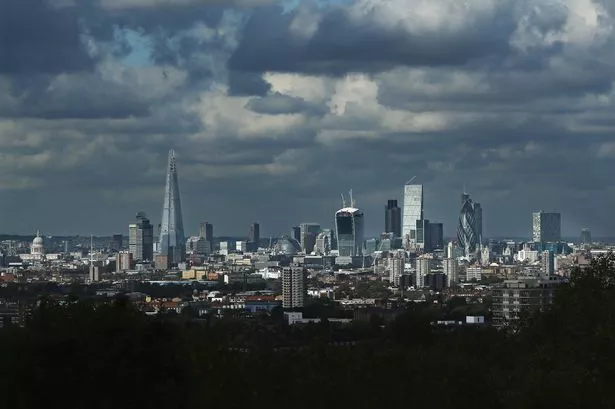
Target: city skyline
point(89, 109)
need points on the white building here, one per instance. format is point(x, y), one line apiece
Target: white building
point(423, 267)
point(37, 250)
point(412, 212)
point(450, 267)
point(395, 265)
point(474, 272)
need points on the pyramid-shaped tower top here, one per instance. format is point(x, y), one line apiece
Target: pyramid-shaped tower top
point(172, 161)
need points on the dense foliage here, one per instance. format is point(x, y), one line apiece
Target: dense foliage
point(81, 356)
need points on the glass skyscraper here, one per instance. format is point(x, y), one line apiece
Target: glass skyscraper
point(412, 212)
point(546, 227)
point(172, 239)
point(349, 228)
point(469, 229)
point(392, 218)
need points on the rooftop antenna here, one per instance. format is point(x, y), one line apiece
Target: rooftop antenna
point(411, 179)
point(343, 201)
point(351, 199)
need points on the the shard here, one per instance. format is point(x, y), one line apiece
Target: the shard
point(172, 242)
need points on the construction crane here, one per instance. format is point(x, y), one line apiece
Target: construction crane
point(411, 179)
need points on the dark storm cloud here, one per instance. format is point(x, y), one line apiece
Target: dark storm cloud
point(37, 38)
point(277, 103)
point(340, 45)
point(512, 99)
point(247, 84)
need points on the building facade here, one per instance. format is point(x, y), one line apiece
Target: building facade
point(512, 297)
point(349, 230)
point(546, 227)
point(141, 239)
point(308, 233)
point(469, 228)
point(172, 238)
point(392, 218)
point(294, 290)
point(412, 212)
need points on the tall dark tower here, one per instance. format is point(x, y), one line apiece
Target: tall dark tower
point(172, 239)
point(392, 218)
point(254, 237)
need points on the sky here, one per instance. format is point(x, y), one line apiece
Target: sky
point(274, 109)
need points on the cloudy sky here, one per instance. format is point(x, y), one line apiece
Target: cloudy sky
point(275, 108)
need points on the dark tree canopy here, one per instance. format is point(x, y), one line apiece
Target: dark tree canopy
point(86, 356)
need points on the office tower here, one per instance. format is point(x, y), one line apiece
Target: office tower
point(254, 237)
point(295, 233)
point(123, 261)
point(206, 231)
point(586, 236)
point(141, 239)
point(413, 211)
point(323, 244)
point(172, 240)
point(467, 229)
point(451, 250)
point(392, 218)
point(294, 290)
point(423, 267)
point(436, 233)
point(308, 234)
point(116, 242)
point(546, 227)
point(423, 235)
point(349, 230)
point(450, 268)
point(478, 222)
point(548, 262)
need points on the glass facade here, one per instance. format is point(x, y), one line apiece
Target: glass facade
point(349, 229)
point(412, 212)
point(172, 238)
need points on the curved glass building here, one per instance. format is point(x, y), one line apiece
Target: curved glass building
point(468, 235)
point(349, 229)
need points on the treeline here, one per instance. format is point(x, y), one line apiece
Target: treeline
point(110, 356)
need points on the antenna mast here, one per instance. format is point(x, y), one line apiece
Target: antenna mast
point(351, 199)
point(411, 179)
point(343, 201)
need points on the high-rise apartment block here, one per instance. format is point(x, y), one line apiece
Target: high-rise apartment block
point(141, 239)
point(172, 239)
point(548, 262)
point(546, 227)
point(396, 264)
point(392, 218)
point(294, 290)
point(412, 212)
point(450, 268)
point(423, 267)
point(123, 261)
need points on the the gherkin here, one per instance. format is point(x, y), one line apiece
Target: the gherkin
point(468, 229)
point(172, 240)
